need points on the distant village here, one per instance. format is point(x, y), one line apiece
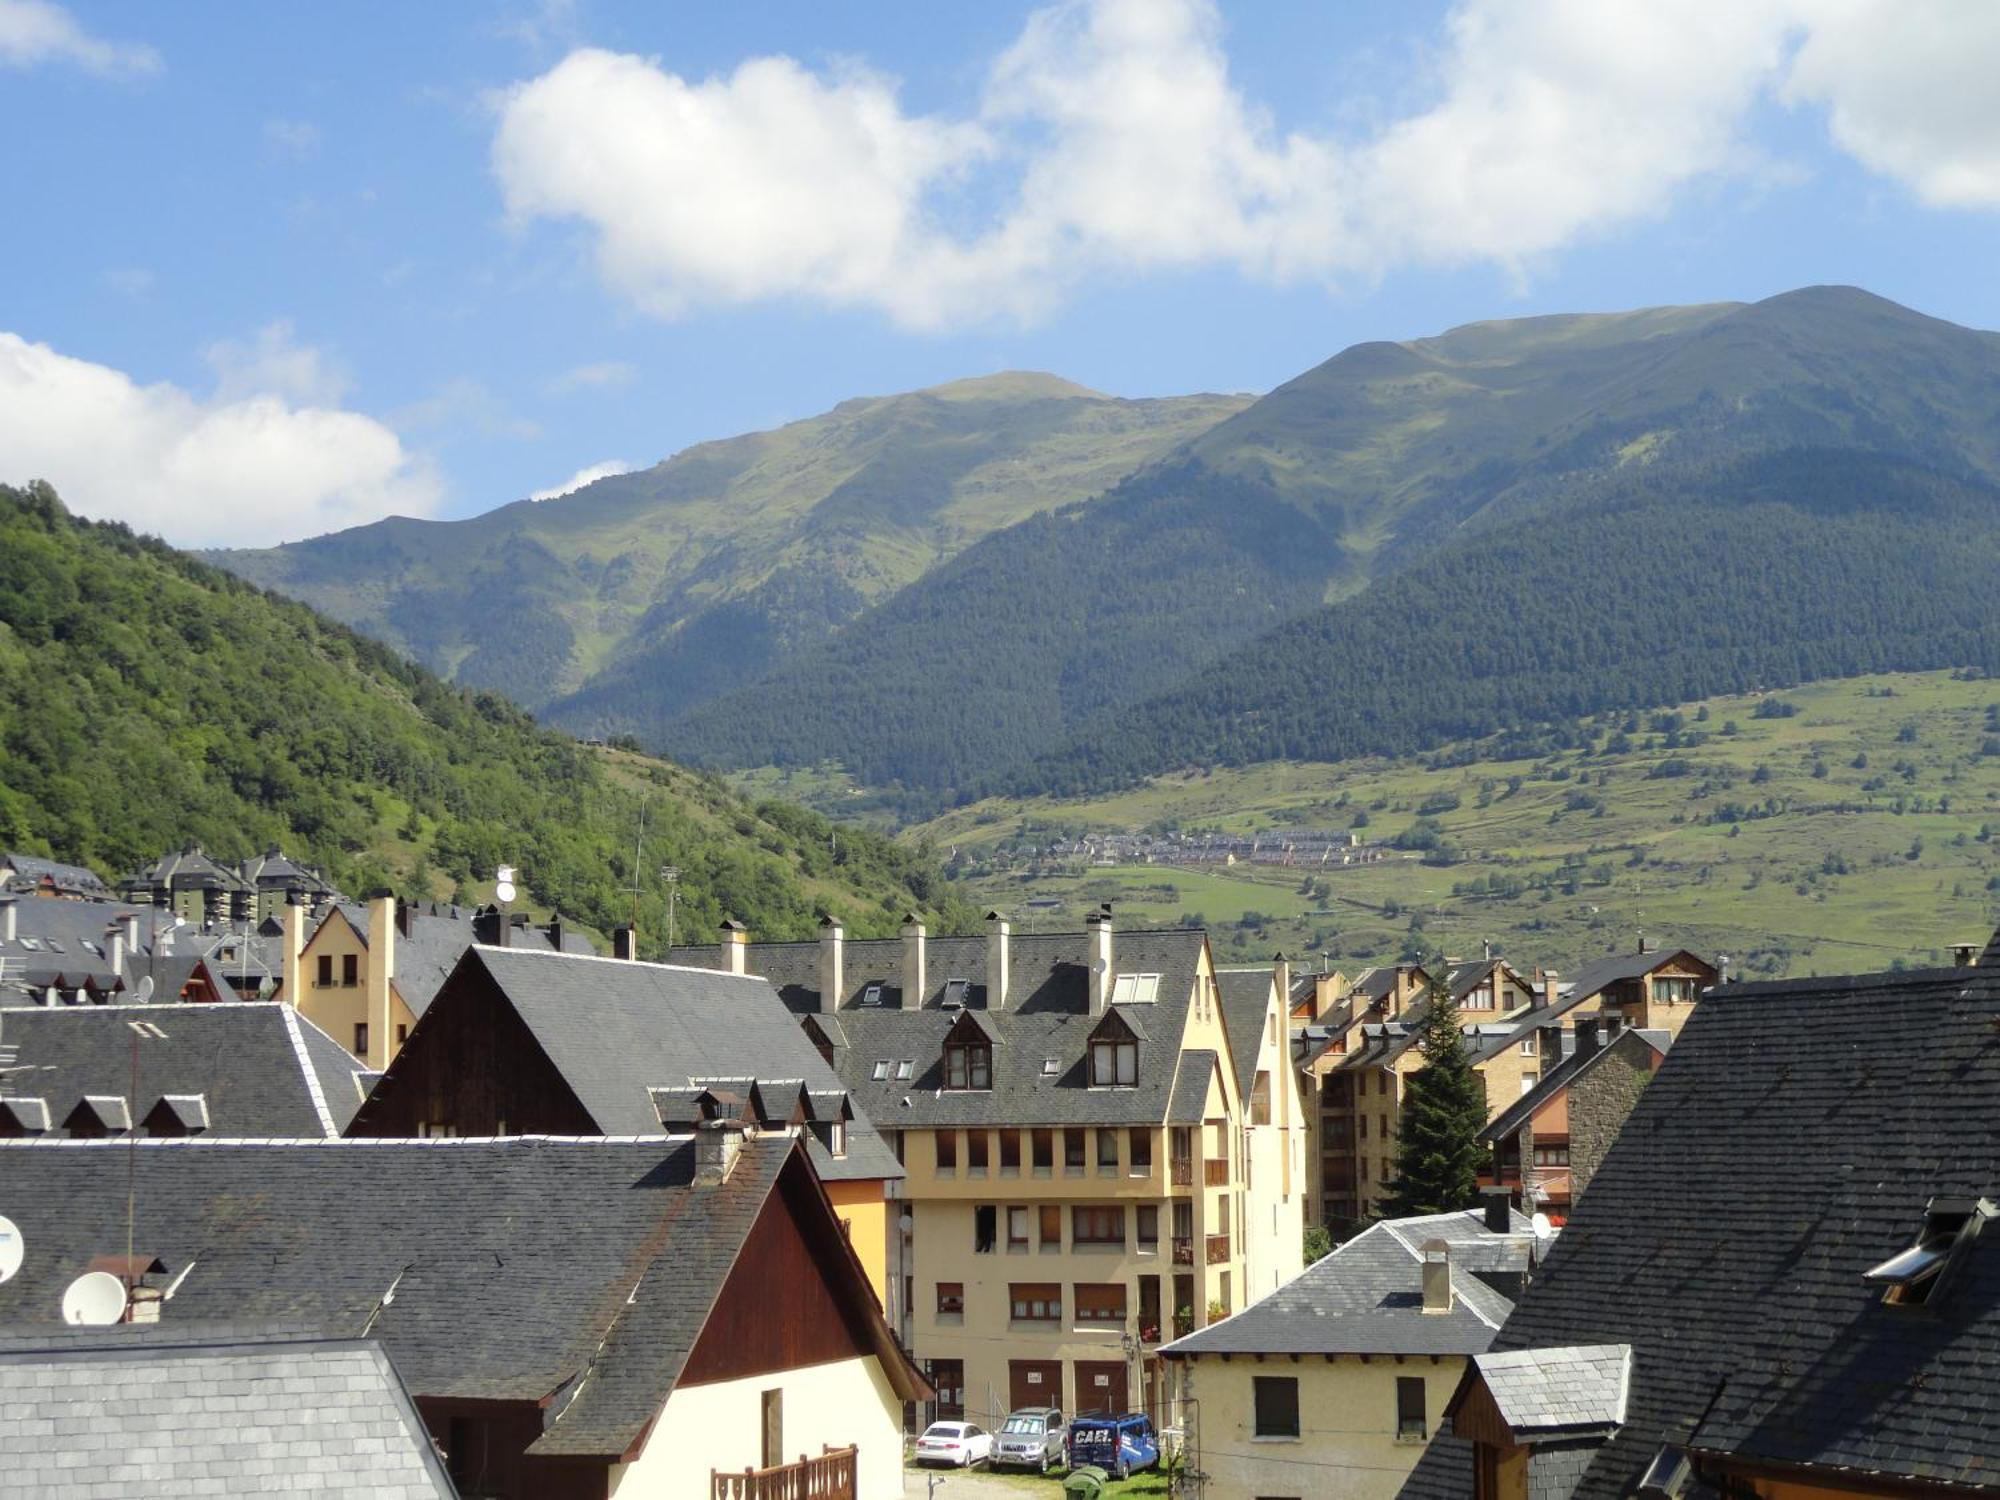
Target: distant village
point(509, 1216)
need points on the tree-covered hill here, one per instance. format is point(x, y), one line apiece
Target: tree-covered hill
point(148, 699)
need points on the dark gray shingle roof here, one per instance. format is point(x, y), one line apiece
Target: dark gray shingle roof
point(1572, 1067)
point(1557, 1391)
point(1246, 1001)
point(174, 1412)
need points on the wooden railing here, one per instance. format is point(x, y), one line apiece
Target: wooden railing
point(1217, 1249)
point(1183, 1172)
point(1215, 1171)
point(831, 1476)
point(1183, 1250)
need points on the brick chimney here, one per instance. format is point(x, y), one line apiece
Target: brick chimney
point(1551, 992)
point(914, 977)
point(832, 963)
point(1437, 1276)
point(625, 942)
point(735, 947)
point(1097, 958)
point(998, 931)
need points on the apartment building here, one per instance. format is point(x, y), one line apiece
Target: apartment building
point(1085, 1174)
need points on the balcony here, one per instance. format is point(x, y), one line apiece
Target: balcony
point(1183, 1249)
point(831, 1476)
point(1183, 1172)
point(1215, 1171)
point(1216, 1250)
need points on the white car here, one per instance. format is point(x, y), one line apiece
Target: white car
point(959, 1444)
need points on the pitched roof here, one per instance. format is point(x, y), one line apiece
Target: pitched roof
point(1246, 1001)
point(1367, 1298)
point(438, 935)
point(1574, 1065)
point(263, 1069)
point(33, 868)
point(1556, 1392)
point(1591, 981)
point(199, 1412)
point(1728, 1250)
point(65, 941)
point(461, 1256)
point(616, 1030)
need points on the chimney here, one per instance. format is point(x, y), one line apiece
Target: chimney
point(406, 918)
point(1281, 976)
point(914, 986)
point(131, 920)
point(1499, 1210)
point(1965, 955)
point(380, 962)
point(1486, 950)
point(7, 928)
point(1648, 945)
point(555, 931)
point(143, 1304)
point(625, 942)
point(832, 963)
point(1614, 1022)
point(1437, 1276)
point(717, 1144)
point(1549, 1044)
point(295, 941)
point(1586, 1035)
point(735, 947)
point(1097, 958)
point(998, 930)
point(116, 932)
point(1550, 993)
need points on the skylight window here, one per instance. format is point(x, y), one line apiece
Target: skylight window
point(881, 1069)
point(33, 945)
point(1916, 1276)
point(872, 995)
point(955, 992)
point(1135, 989)
point(1051, 1066)
point(904, 1069)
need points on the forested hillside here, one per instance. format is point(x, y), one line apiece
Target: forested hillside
point(148, 699)
point(646, 593)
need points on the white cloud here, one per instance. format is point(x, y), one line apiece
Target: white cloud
point(230, 470)
point(1110, 138)
point(35, 31)
point(273, 362)
point(583, 477)
point(606, 375)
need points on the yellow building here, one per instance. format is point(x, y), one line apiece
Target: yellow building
point(1083, 1171)
point(1335, 1383)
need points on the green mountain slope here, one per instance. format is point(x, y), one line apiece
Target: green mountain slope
point(147, 699)
point(648, 592)
point(1339, 482)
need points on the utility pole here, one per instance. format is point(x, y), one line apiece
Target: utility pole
point(671, 874)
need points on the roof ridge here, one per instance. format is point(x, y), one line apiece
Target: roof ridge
point(606, 958)
point(313, 1089)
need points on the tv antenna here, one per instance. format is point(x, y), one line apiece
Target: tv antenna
point(95, 1299)
point(671, 874)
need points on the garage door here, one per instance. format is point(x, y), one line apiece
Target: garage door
point(1100, 1386)
point(1034, 1382)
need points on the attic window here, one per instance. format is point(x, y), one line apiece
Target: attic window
point(872, 995)
point(955, 992)
point(1667, 1476)
point(881, 1069)
point(1135, 989)
point(1114, 1062)
point(968, 1065)
point(1051, 1066)
point(1913, 1277)
point(904, 1069)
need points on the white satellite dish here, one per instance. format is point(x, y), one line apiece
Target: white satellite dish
point(503, 889)
point(96, 1298)
point(143, 995)
point(12, 1247)
point(1542, 1227)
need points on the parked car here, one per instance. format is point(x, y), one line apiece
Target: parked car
point(1034, 1437)
point(1116, 1444)
point(959, 1444)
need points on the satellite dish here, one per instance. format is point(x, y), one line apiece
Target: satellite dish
point(503, 889)
point(12, 1246)
point(1542, 1227)
point(96, 1298)
point(143, 995)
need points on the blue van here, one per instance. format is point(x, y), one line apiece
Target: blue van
point(1117, 1445)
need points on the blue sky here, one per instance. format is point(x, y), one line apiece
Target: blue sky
point(276, 269)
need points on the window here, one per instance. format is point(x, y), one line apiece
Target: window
point(951, 1299)
point(968, 1065)
point(1674, 991)
point(1528, 1045)
point(904, 1069)
point(947, 1151)
point(1043, 1143)
point(350, 970)
point(402, 1033)
point(1135, 989)
point(975, 1152)
point(360, 1038)
point(1260, 1099)
point(1072, 1150)
point(325, 969)
point(1104, 1225)
point(1035, 1302)
point(1017, 1228)
point(1139, 1148)
point(1277, 1399)
point(1410, 1421)
point(985, 1226)
point(1050, 1215)
point(1114, 1063)
point(1551, 1156)
point(1051, 1066)
point(1010, 1151)
point(836, 1137)
point(1107, 1150)
point(881, 1069)
point(1149, 1226)
point(1528, 1081)
point(1101, 1302)
point(1478, 999)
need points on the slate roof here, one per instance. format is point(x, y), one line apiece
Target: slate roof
point(1046, 1016)
point(616, 1030)
point(439, 935)
point(1559, 1391)
point(1367, 1298)
point(104, 1413)
point(1591, 981)
point(461, 1256)
point(32, 868)
point(1574, 1065)
point(1189, 1101)
point(1789, 1142)
point(1246, 1001)
point(64, 941)
point(261, 1067)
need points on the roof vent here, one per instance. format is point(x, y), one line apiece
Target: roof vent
point(1437, 1276)
point(1916, 1277)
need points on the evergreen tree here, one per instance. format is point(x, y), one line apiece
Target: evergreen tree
point(1438, 1154)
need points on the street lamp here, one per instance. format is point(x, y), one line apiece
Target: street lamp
point(671, 874)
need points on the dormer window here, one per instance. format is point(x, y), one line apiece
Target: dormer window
point(1914, 1277)
point(968, 1065)
point(1114, 1055)
point(837, 1137)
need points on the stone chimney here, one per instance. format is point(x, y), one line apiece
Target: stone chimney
point(1549, 1044)
point(1098, 959)
point(625, 942)
point(1499, 1210)
point(735, 947)
point(1437, 1276)
point(832, 963)
point(1550, 991)
point(1586, 1035)
point(1607, 1033)
point(915, 985)
point(717, 1144)
point(998, 931)
point(295, 941)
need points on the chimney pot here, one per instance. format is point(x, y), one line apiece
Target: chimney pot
point(1499, 1207)
point(625, 942)
point(735, 947)
point(1437, 1277)
point(1965, 954)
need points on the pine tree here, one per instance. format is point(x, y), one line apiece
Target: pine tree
point(1438, 1154)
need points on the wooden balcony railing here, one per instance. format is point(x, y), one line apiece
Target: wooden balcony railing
point(1217, 1249)
point(1215, 1171)
point(1183, 1250)
point(1183, 1172)
point(831, 1476)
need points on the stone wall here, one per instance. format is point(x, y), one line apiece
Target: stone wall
point(1599, 1103)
